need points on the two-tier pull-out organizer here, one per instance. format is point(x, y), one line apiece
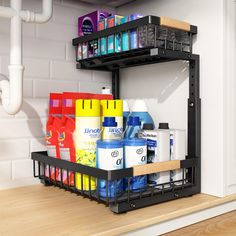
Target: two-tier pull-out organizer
point(160, 39)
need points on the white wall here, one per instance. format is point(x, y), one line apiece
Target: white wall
point(166, 85)
point(49, 60)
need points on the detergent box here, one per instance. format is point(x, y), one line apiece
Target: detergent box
point(66, 132)
point(88, 24)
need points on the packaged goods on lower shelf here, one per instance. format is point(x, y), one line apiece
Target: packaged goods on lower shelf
point(91, 133)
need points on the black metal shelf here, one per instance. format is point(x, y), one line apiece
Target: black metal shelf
point(126, 201)
point(146, 20)
point(158, 51)
point(136, 57)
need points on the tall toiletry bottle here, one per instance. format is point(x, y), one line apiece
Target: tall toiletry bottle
point(177, 152)
point(126, 113)
point(139, 109)
point(109, 129)
point(87, 132)
point(134, 126)
point(158, 146)
point(113, 108)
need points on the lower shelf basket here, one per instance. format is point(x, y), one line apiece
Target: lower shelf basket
point(83, 180)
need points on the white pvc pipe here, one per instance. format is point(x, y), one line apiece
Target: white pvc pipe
point(39, 17)
point(12, 89)
point(7, 12)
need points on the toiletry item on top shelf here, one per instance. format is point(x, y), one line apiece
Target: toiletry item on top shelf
point(110, 130)
point(158, 146)
point(177, 151)
point(125, 40)
point(139, 109)
point(87, 132)
point(135, 150)
point(52, 127)
point(113, 108)
point(134, 126)
point(110, 157)
point(66, 132)
point(126, 113)
point(102, 42)
point(133, 32)
point(114, 41)
point(88, 24)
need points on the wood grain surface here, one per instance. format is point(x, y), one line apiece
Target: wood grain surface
point(224, 225)
point(39, 210)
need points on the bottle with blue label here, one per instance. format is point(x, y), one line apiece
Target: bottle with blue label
point(110, 157)
point(139, 109)
point(135, 150)
point(134, 126)
point(110, 131)
point(126, 114)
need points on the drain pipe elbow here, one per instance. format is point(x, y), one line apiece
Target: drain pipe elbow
point(12, 89)
point(43, 17)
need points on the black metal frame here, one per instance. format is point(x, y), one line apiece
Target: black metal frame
point(128, 200)
point(113, 63)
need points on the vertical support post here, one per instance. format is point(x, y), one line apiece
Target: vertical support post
point(194, 119)
point(116, 83)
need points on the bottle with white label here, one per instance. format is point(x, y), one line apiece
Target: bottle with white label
point(177, 152)
point(135, 154)
point(110, 131)
point(113, 108)
point(87, 132)
point(158, 146)
point(110, 157)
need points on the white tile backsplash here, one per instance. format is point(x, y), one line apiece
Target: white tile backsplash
point(22, 169)
point(14, 149)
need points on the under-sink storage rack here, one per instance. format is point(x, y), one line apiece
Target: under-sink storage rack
point(156, 51)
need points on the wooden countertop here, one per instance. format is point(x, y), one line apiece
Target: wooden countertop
point(39, 210)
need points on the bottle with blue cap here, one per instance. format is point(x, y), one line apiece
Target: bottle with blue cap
point(140, 109)
point(126, 114)
point(134, 126)
point(110, 157)
point(135, 150)
point(110, 131)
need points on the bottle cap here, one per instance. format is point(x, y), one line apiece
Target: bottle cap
point(112, 108)
point(87, 108)
point(109, 122)
point(139, 106)
point(106, 90)
point(134, 121)
point(148, 126)
point(163, 125)
point(125, 106)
